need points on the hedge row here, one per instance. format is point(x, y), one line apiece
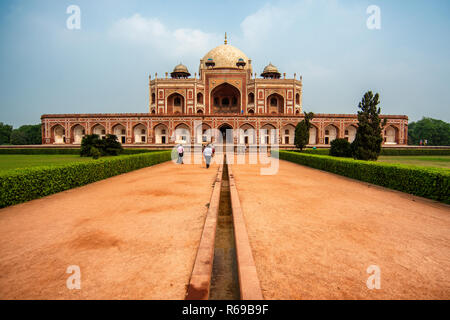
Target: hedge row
point(392, 152)
point(415, 152)
point(432, 183)
point(34, 151)
point(20, 185)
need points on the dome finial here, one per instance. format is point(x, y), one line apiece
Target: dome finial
point(225, 42)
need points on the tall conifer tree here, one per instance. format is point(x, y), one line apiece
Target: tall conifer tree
point(302, 131)
point(368, 140)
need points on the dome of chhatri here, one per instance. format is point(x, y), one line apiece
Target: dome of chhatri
point(270, 68)
point(180, 72)
point(181, 68)
point(225, 56)
point(271, 72)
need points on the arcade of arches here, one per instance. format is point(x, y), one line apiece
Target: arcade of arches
point(246, 132)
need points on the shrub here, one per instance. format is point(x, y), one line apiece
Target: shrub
point(106, 147)
point(95, 153)
point(111, 146)
point(432, 183)
point(20, 185)
point(340, 148)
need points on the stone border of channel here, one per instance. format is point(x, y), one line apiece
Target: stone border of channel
point(200, 282)
point(249, 284)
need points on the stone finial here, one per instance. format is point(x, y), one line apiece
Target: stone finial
point(226, 41)
point(284, 75)
point(295, 76)
point(167, 74)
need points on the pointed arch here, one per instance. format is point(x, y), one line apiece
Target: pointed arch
point(120, 131)
point(350, 133)
point(391, 135)
point(226, 98)
point(313, 134)
point(182, 133)
point(58, 134)
point(78, 131)
point(330, 133)
point(161, 133)
point(140, 132)
point(176, 104)
point(99, 130)
point(275, 103)
point(288, 134)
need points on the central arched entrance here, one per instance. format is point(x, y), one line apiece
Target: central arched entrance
point(226, 99)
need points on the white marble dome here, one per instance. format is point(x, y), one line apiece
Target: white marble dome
point(226, 56)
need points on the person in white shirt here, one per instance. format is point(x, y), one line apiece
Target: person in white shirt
point(207, 153)
point(180, 151)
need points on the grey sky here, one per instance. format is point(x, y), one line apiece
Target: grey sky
point(104, 67)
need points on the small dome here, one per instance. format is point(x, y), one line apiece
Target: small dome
point(270, 69)
point(271, 72)
point(180, 71)
point(181, 68)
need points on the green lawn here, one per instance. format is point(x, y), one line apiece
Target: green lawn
point(13, 161)
point(427, 161)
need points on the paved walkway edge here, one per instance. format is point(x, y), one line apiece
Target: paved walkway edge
point(248, 278)
point(200, 282)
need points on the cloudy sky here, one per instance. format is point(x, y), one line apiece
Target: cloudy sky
point(104, 66)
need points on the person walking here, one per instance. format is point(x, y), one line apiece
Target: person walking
point(207, 153)
point(180, 151)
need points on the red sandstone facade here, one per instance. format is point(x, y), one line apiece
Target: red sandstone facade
point(225, 95)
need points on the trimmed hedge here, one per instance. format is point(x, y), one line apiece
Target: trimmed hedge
point(432, 183)
point(20, 185)
point(316, 151)
point(391, 152)
point(415, 152)
point(33, 151)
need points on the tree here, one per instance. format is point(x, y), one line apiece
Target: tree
point(340, 148)
point(92, 144)
point(368, 140)
point(18, 138)
point(111, 145)
point(89, 141)
point(28, 134)
point(436, 132)
point(5, 133)
point(302, 131)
